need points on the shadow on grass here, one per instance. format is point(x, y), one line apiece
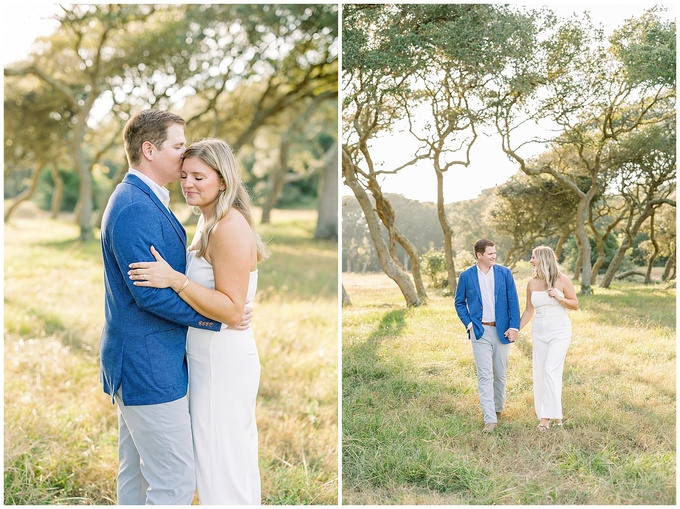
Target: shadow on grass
point(89, 250)
point(361, 362)
point(37, 322)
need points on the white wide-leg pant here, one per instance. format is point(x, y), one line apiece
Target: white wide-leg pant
point(548, 366)
point(224, 377)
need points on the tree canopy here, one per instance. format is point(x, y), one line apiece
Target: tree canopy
point(233, 71)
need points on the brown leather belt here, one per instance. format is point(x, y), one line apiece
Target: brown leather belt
point(492, 324)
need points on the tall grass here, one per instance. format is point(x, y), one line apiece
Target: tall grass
point(412, 422)
point(60, 443)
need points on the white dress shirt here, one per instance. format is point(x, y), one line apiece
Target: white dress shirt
point(487, 287)
point(162, 193)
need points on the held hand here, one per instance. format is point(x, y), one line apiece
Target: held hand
point(247, 317)
point(511, 334)
point(156, 274)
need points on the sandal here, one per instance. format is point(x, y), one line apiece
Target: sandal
point(544, 427)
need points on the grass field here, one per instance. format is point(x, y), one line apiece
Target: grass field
point(412, 423)
point(60, 444)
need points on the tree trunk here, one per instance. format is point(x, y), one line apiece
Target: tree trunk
point(58, 194)
point(28, 192)
point(448, 233)
point(581, 219)
point(631, 232)
point(327, 218)
point(345, 298)
point(277, 178)
point(600, 257)
point(386, 215)
point(388, 265)
point(86, 195)
point(560, 244)
point(655, 253)
point(670, 263)
point(414, 257)
point(579, 257)
point(629, 273)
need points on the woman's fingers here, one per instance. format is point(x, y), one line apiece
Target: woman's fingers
point(156, 254)
point(140, 265)
point(138, 274)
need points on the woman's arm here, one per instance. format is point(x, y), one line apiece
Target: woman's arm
point(230, 253)
point(528, 310)
point(569, 301)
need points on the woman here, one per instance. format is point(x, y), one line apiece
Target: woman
point(550, 293)
point(224, 366)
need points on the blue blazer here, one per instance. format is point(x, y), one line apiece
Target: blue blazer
point(144, 338)
point(469, 301)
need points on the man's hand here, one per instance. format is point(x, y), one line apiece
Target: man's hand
point(512, 334)
point(245, 319)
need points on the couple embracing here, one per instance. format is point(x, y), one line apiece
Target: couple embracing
point(178, 355)
point(487, 303)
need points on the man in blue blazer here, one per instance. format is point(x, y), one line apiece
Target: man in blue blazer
point(487, 304)
point(143, 366)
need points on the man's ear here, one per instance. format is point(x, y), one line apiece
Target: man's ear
point(147, 150)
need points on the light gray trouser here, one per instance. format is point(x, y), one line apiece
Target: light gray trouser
point(491, 359)
point(156, 454)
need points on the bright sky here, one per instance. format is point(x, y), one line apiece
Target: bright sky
point(22, 22)
point(489, 166)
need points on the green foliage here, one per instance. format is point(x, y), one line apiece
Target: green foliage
point(464, 259)
point(647, 49)
point(206, 62)
point(570, 253)
point(531, 208)
point(433, 266)
point(46, 189)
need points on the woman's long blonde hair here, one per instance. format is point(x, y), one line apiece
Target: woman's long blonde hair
point(218, 155)
point(546, 265)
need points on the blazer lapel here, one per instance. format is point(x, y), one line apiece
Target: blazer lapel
point(496, 286)
point(475, 281)
point(137, 182)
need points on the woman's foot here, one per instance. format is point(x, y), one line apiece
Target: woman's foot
point(558, 422)
point(544, 425)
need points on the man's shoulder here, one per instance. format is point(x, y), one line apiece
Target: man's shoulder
point(469, 270)
point(502, 268)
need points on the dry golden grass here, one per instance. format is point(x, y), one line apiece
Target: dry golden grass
point(60, 443)
point(411, 417)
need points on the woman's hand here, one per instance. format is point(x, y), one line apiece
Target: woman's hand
point(552, 292)
point(156, 274)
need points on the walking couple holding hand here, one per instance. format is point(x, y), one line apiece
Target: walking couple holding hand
point(178, 355)
point(487, 303)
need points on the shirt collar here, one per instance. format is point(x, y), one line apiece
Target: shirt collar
point(162, 193)
point(481, 273)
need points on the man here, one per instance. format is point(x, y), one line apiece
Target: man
point(143, 367)
point(487, 302)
